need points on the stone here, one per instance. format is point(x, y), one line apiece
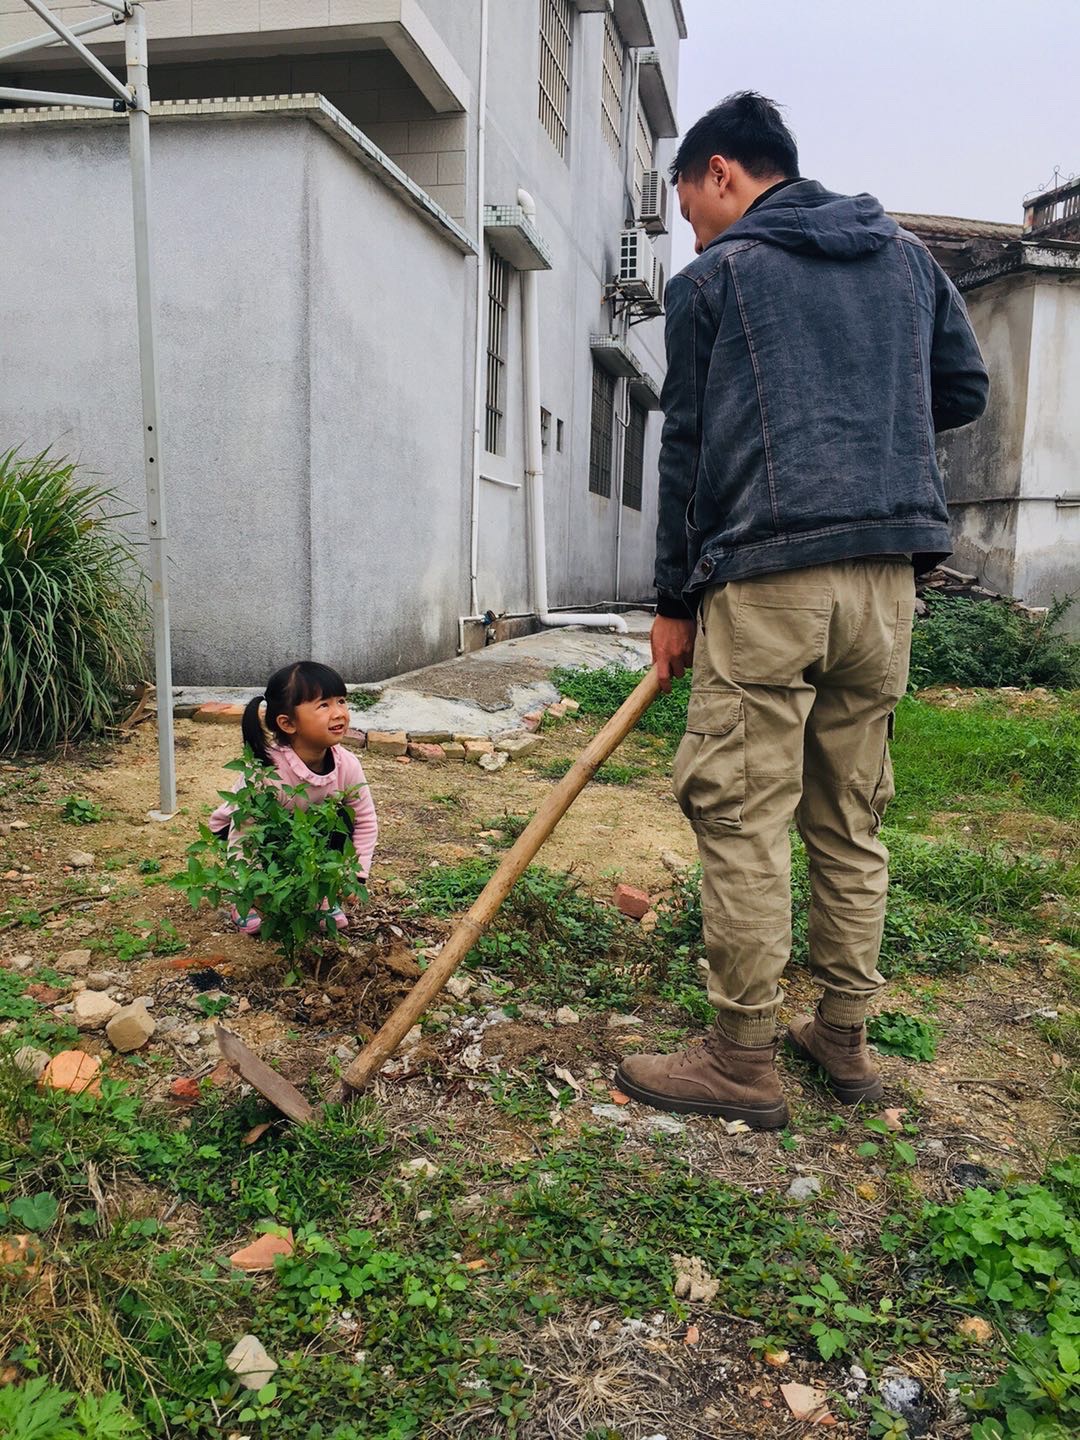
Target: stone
point(565, 1016)
point(419, 1168)
point(93, 1009)
point(492, 761)
point(972, 1327)
point(387, 742)
point(31, 1062)
point(73, 1071)
point(649, 921)
point(570, 705)
point(44, 994)
point(893, 1119)
point(261, 1253)
point(609, 1112)
point(777, 1358)
point(532, 720)
point(693, 1281)
point(663, 1125)
point(620, 1022)
point(130, 1028)
point(80, 859)
point(557, 711)
point(802, 1187)
point(459, 986)
point(902, 1395)
point(217, 712)
point(432, 752)
point(515, 745)
point(475, 748)
point(631, 901)
point(103, 979)
point(346, 1053)
point(250, 1363)
point(25, 824)
point(806, 1402)
point(454, 750)
point(22, 962)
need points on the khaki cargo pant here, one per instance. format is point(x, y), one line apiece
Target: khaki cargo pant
point(795, 680)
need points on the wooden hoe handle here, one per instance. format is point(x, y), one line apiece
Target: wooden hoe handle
point(480, 915)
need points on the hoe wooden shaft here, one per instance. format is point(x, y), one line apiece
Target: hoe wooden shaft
point(480, 915)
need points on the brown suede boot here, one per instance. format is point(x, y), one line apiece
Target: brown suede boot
point(718, 1077)
point(841, 1053)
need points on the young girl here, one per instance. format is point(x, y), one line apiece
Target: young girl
point(307, 713)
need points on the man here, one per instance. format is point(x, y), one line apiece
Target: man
point(813, 350)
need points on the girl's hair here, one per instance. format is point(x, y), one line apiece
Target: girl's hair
point(287, 688)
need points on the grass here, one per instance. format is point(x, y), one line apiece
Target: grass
point(73, 618)
point(610, 773)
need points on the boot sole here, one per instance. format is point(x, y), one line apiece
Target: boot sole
point(846, 1094)
point(758, 1117)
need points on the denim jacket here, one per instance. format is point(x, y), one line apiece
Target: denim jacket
point(813, 350)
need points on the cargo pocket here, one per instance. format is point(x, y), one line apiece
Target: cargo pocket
point(896, 676)
point(709, 775)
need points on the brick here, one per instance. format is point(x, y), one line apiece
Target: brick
point(430, 737)
point(261, 1253)
point(185, 1090)
point(216, 712)
point(73, 1071)
point(515, 745)
point(355, 739)
point(532, 720)
point(453, 750)
point(631, 901)
point(475, 748)
point(567, 704)
point(387, 742)
point(557, 711)
point(427, 752)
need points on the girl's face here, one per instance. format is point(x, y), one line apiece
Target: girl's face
point(315, 725)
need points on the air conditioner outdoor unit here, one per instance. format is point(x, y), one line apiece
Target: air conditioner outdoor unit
point(653, 213)
point(659, 280)
point(637, 265)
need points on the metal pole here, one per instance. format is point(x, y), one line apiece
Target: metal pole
point(139, 129)
point(41, 42)
point(102, 71)
point(56, 97)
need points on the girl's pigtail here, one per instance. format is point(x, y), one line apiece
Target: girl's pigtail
point(251, 727)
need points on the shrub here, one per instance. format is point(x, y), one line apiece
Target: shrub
point(72, 613)
point(601, 692)
point(289, 863)
point(973, 642)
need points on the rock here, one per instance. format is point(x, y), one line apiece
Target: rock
point(806, 1402)
point(693, 1281)
point(902, 1395)
point(557, 711)
point(25, 824)
point(534, 1014)
point(565, 1016)
point(777, 1358)
point(31, 1062)
point(168, 1024)
point(346, 1053)
point(261, 1253)
point(973, 1327)
point(568, 704)
point(21, 962)
point(73, 962)
point(73, 1071)
point(532, 720)
point(631, 901)
point(80, 860)
point(493, 761)
point(44, 994)
point(93, 1009)
point(430, 737)
point(610, 1112)
point(218, 712)
point(130, 1028)
point(459, 986)
point(803, 1186)
point(250, 1363)
point(103, 979)
point(387, 742)
point(419, 1168)
point(620, 1022)
point(663, 1124)
point(397, 887)
point(474, 749)
point(515, 745)
point(649, 921)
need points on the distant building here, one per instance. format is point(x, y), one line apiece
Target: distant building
point(325, 252)
point(1013, 479)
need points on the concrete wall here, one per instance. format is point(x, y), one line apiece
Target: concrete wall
point(1004, 474)
point(308, 511)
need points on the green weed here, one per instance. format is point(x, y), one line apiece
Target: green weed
point(610, 773)
point(969, 642)
point(601, 692)
point(77, 810)
point(41, 1411)
point(896, 1033)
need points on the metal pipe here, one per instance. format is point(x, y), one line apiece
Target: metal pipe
point(139, 129)
point(56, 97)
point(534, 455)
point(101, 71)
point(478, 409)
point(38, 42)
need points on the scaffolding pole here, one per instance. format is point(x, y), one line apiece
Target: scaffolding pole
point(134, 97)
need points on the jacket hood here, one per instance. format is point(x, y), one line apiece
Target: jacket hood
point(807, 218)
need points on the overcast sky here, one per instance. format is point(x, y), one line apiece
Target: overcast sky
point(945, 107)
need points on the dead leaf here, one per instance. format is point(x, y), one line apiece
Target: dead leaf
point(561, 1073)
point(476, 1264)
point(736, 1127)
point(255, 1133)
point(893, 1120)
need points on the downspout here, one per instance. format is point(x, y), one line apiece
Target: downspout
point(623, 419)
point(534, 456)
point(478, 406)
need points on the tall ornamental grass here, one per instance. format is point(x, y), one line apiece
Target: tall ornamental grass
point(73, 616)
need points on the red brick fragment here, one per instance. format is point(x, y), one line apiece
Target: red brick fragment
point(631, 901)
point(186, 1091)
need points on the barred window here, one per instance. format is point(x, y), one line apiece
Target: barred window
point(611, 86)
point(603, 427)
point(643, 154)
point(634, 458)
point(555, 32)
point(498, 295)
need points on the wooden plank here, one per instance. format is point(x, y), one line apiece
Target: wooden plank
point(270, 1085)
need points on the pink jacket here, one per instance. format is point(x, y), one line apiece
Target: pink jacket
point(345, 779)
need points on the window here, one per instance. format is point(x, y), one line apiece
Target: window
point(498, 294)
point(545, 428)
point(603, 426)
point(558, 435)
point(611, 87)
point(555, 22)
point(643, 154)
point(634, 458)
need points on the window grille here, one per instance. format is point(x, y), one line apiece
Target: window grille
point(603, 426)
point(611, 88)
point(555, 32)
point(643, 155)
point(634, 458)
point(498, 294)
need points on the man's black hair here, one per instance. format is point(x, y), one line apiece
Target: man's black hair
point(745, 127)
